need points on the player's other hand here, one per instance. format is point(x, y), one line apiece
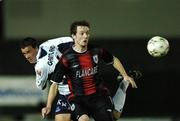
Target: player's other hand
point(131, 81)
point(45, 111)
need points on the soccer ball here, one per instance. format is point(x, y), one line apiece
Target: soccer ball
point(158, 46)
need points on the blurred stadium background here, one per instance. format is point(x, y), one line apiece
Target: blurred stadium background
point(121, 26)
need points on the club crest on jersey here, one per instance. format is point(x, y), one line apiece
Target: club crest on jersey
point(95, 58)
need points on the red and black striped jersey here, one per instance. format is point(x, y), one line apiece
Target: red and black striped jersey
point(81, 69)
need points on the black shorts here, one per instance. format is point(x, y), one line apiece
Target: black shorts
point(62, 106)
point(98, 106)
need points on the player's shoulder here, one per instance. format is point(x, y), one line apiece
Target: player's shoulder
point(68, 51)
point(41, 63)
point(57, 41)
point(61, 39)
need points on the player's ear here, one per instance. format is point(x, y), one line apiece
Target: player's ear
point(73, 36)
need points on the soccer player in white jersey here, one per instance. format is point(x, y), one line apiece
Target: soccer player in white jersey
point(44, 58)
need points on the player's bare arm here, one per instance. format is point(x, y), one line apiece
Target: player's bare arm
point(118, 65)
point(51, 96)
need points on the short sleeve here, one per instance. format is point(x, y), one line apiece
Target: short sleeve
point(41, 71)
point(59, 72)
point(106, 56)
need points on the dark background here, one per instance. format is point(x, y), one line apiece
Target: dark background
point(123, 27)
point(158, 89)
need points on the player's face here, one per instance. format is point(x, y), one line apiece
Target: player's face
point(81, 37)
point(29, 53)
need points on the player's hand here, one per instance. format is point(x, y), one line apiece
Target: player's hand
point(131, 81)
point(135, 74)
point(45, 111)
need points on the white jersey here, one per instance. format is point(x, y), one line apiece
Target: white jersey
point(47, 58)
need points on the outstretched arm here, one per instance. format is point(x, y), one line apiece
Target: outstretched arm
point(51, 96)
point(118, 65)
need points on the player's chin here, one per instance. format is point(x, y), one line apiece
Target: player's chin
point(84, 44)
point(31, 61)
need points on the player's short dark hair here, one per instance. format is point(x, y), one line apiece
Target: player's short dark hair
point(75, 24)
point(29, 41)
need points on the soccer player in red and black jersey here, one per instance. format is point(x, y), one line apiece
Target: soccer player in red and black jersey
point(80, 64)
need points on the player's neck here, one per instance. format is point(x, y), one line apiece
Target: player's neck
point(79, 49)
